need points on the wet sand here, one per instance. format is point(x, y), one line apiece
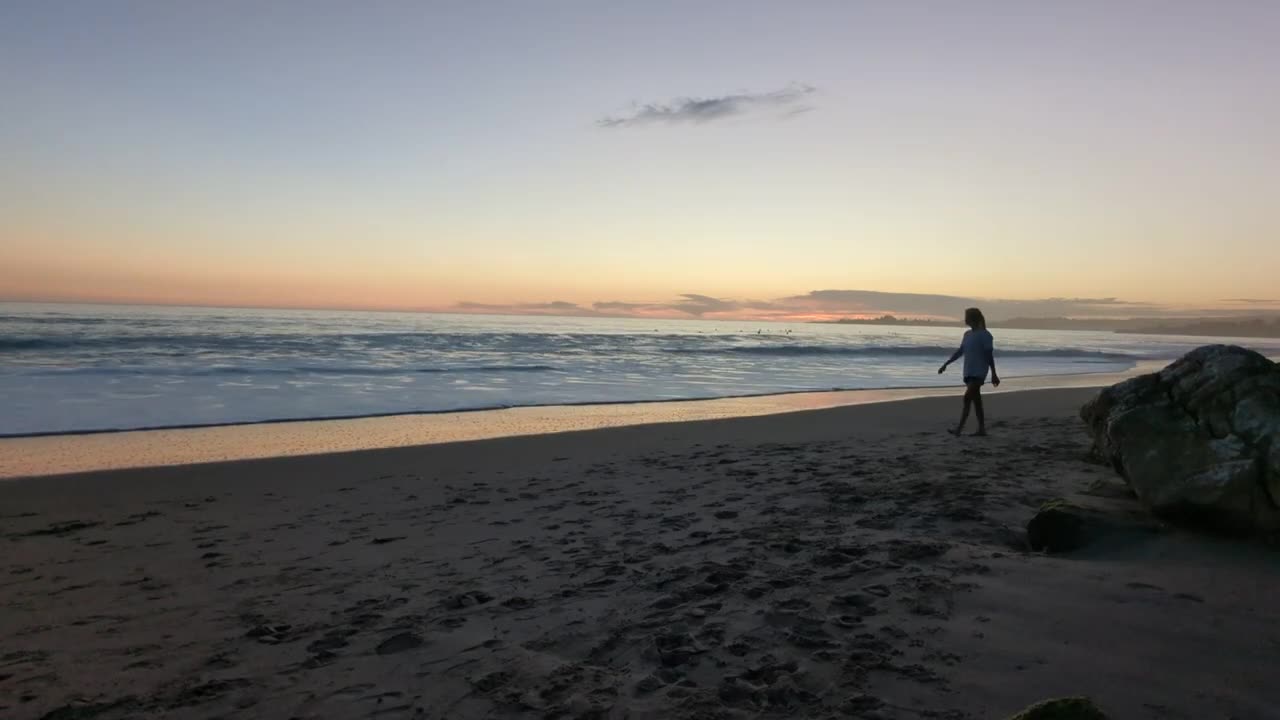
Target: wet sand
point(845, 562)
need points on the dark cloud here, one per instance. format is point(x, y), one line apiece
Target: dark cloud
point(558, 306)
point(701, 110)
point(1252, 301)
point(561, 305)
point(618, 306)
point(1059, 307)
point(872, 301)
point(699, 305)
point(838, 303)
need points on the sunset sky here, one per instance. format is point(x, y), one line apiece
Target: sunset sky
point(663, 158)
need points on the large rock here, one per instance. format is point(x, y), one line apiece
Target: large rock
point(1198, 440)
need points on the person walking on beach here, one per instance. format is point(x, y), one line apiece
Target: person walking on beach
point(978, 350)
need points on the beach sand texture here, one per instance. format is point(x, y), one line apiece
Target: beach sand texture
point(846, 562)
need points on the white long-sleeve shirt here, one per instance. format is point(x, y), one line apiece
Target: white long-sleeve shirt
point(977, 346)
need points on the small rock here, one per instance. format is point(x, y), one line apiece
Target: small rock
point(860, 703)
point(1062, 526)
point(1072, 708)
point(1058, 526)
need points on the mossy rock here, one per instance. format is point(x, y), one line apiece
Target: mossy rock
point(1073, 708)
point(1059, 526)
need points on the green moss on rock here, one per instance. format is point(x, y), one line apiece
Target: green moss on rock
point(1059, 526)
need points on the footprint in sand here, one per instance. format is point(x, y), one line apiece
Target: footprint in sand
point(466, 600)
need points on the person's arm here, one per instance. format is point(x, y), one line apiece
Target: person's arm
point(991, 361)
point(954, 357)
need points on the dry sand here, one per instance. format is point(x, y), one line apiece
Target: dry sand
point(849, 562)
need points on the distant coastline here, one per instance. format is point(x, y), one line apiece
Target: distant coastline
point(1249, 327)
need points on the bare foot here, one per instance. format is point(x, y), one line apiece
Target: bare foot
point(954, 431)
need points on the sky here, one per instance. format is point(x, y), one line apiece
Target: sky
point(760, 159)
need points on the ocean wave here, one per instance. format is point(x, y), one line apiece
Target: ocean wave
point(319, 341)
point(32, 344)
point(166, 343)
point(438, 345)
point(300, 370)
point(900, 351)
point(54, 320)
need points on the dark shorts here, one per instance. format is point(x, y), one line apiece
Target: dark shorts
point(972, 380)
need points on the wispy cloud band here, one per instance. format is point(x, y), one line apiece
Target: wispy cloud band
point(702, 110)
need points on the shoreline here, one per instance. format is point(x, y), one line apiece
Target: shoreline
point(585, 403)
point(36, 455)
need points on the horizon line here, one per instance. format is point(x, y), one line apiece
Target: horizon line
point(415, 311)
point(1262, 313)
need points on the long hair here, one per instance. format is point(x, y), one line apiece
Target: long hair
point(974, 318)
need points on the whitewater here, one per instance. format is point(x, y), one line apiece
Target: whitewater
point(79, 368)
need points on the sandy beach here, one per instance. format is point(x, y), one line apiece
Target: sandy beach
point(841, 562)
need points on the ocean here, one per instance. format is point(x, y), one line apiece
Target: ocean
point(77, 368)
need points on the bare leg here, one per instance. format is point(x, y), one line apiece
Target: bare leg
point(964, 414)
point(977, 410)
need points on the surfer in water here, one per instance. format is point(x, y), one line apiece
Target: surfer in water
point(978, 351)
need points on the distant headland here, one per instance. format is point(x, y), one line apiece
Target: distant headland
point(1255, 327)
